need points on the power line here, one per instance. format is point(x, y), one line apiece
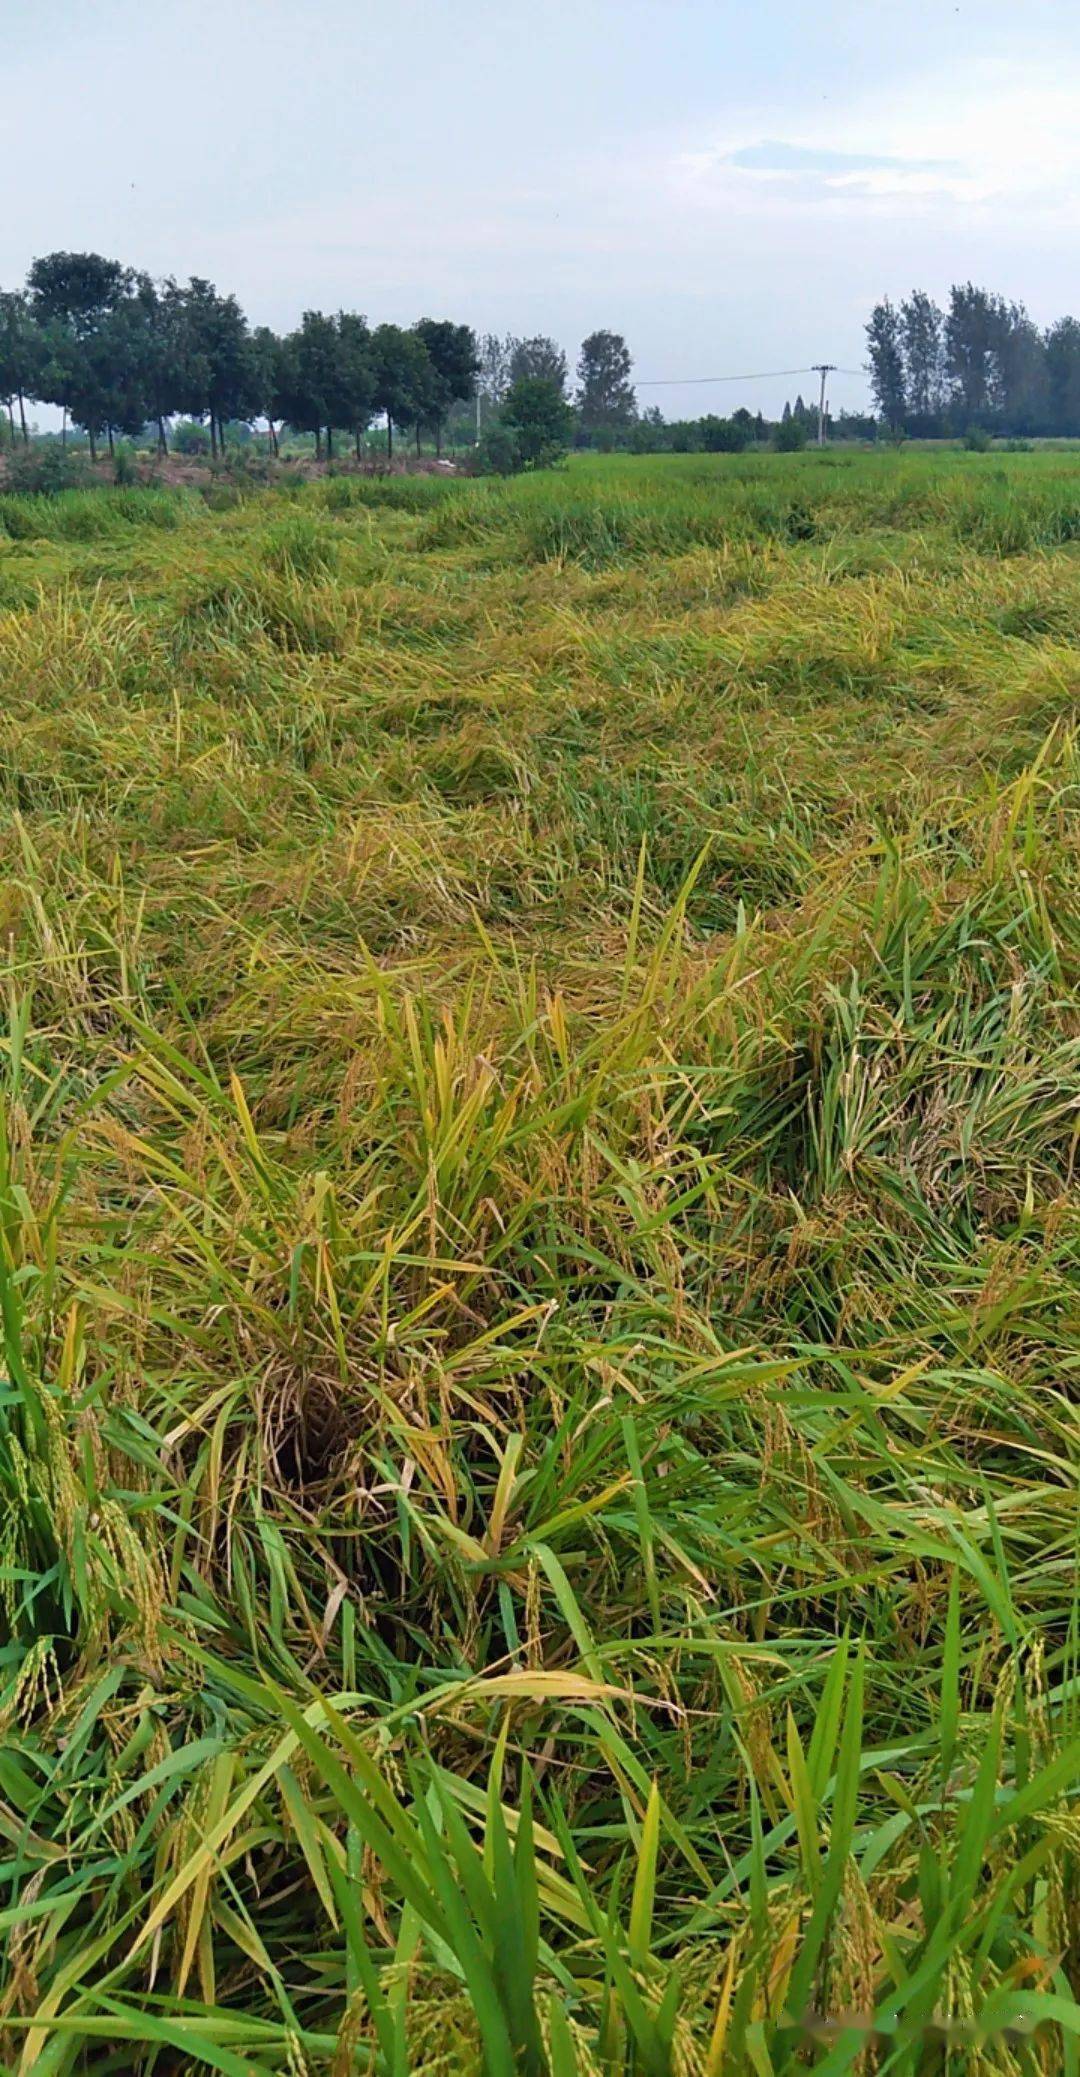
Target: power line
point(691, 381)
point(761, 375)
point(822, 368)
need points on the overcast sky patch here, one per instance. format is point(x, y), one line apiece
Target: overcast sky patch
point(733, 187)
point(772, 157)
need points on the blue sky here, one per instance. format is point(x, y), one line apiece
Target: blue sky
point(731, 186)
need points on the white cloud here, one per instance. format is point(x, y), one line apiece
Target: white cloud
point(1001, 142)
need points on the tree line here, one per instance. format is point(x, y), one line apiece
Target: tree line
point(606, 413)
point(981, 362)
point(118, 351)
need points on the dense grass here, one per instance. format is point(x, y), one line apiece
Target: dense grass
point(541, 1092)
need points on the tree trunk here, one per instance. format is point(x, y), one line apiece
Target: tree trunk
point(221, 432)
point(112, 449)
point(272, 431)
point(11, 417)
point(63, 428)
point(213, 437)
point(93, 448)
point(389, 438)
point(22, 419)
point(329, 443)
point(418, 441)
point(358, 443)
point(163, 443)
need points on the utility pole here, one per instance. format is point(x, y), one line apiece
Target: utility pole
point(822, 368)
point(478, 414)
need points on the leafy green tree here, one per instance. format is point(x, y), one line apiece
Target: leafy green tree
point(75, 373)
point(498, 453)
point(73, 296)
point(221, 372)
point(541, 357)
point(605, 394)
point(190, 436)
point(401, 369)
point(326, 377)
point(540, 419)
point(120, 363)
point(790, 434)
point(1062, 349)
point(1018, 373)
point(56, 367)
point(921, 345)
point(494, 375)
point(454, 361)
point(886, 363)
point(853, 425)
point(651, 434)
point(20, 357)
point(267, 356)
point(722, 435)
point(311, 376)
point(425, 411)
point(79, 288)
point(159, 339)
point(355, 389)
point(971, 331)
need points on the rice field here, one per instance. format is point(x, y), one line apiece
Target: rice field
point(539, 1246)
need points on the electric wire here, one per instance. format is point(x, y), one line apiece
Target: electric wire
point(760, 375)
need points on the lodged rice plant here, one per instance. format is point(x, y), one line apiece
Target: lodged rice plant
point(539, 1247)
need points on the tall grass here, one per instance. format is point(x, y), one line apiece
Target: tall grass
point(538, 1276)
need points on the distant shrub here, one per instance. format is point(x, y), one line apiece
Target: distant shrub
point(499, 452)
point(977, 440)
point(245, 465)
point(646, 437)
point(539, 419)
point(790, 436)
point(46, 469)
point(189, 437)
point(125, 466)
point(722, 435)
